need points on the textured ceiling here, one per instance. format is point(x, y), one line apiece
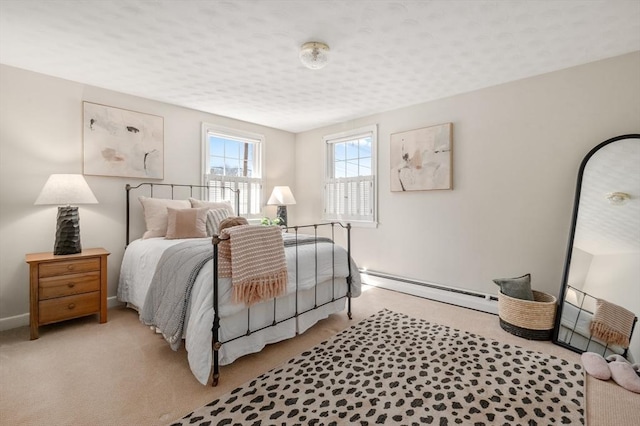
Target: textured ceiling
point(240, 58)
point(603, 228)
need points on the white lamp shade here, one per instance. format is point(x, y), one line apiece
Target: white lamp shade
point(66, 189)
point(281, 196)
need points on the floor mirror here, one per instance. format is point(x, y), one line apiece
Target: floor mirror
point(600, 288)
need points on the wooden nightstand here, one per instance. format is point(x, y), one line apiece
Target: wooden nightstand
point(67, 286)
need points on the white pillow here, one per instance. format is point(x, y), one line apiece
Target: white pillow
point(212, 205)
point(186, 223)
point(156, 216)
point(214, 217)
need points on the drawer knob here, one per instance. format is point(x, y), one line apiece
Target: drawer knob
point(70, 267)
point(71, 306)
point(71, 285)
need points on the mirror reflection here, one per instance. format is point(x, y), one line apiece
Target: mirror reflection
point(600, 296)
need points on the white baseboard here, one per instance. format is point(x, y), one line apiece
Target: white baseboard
point(22, 320)
point(442, 293)
point(14, 322)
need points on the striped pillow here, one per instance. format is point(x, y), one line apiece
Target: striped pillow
point(212, 204)
point(214, 217)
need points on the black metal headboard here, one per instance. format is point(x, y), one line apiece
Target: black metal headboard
point(194, 191)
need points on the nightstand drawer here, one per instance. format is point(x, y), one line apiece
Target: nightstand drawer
point(54, 310)
point(67, 285)
point(69, 267)
point(63, 287)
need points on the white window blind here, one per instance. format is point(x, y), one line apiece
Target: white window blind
point(250, 193)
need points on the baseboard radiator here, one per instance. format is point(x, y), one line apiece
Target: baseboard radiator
point(439, 292)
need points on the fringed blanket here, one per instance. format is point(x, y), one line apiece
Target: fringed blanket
point(253, 256)
point(612, 323)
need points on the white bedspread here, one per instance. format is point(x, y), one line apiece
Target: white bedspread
point(138, 267)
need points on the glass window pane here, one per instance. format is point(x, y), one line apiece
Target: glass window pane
point(365, 162)
point(235, 167)
point(339, 169)
point(216, 165)
point(232, 149)
point(365, 147)
point(352, 150)
point(339, 151)
point(216, 161)
point(234, 152)
point(216, 146)
point(352, 168)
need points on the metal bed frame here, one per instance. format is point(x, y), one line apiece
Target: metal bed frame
point(172, 187)
point(216, 343)
point(582, 296)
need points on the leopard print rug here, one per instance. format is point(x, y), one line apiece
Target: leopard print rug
point(396, 370)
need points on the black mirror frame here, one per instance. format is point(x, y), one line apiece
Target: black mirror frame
point(572, 232)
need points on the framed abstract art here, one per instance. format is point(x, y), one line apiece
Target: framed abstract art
point(120, 142)
point(421, 159)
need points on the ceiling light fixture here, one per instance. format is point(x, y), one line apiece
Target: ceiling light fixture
point(617, 198)
point(314, 55)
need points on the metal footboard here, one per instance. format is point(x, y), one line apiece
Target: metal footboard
point(216, 342)
point(182, 191)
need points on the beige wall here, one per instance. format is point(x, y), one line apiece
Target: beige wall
point(41, 133)
point(517, 149)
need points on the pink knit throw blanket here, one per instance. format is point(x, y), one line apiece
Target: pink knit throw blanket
point(612, 323)
point(253, 256)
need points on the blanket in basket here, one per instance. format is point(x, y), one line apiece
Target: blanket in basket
point(253, 256)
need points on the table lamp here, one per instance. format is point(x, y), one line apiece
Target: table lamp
point(63, 190)
point(281, 197)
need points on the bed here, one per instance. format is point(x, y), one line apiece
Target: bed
point(321, 280)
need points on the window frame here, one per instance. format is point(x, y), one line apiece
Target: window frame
point(345, 136)
point(258, 162)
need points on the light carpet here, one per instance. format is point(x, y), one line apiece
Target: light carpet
point(394, 369)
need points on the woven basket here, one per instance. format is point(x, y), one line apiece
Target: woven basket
point(531, 319)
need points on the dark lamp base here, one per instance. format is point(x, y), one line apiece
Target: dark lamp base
point(282, 214)
point(68, 231)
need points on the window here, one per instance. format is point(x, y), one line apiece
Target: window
point(350, 178)
point(233, 159)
